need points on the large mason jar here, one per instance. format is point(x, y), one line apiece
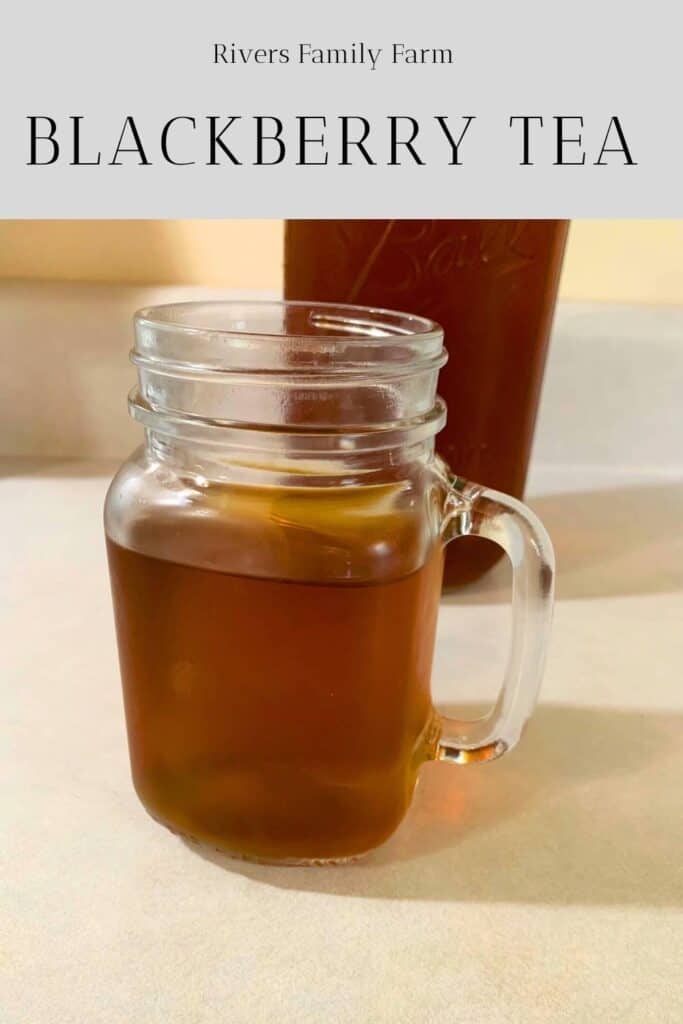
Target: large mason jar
point(492, 286)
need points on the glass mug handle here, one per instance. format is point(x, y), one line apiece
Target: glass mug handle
point(475, 511)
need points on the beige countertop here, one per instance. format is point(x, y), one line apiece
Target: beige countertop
point(545, 887)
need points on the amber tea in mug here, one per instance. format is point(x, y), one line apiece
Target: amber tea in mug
point(276, 554)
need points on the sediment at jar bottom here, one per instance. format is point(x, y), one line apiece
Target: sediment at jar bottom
point(274, 719)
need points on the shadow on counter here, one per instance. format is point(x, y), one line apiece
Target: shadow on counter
point(626, 540)
point(585, 811)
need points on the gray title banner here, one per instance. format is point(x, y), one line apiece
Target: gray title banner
point(353, 110)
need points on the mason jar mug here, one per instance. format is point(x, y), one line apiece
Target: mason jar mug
point(276, 552)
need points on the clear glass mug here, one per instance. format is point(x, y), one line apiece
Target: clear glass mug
point(276, 553)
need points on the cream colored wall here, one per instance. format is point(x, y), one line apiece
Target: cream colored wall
point(629, 261)
point(231, 253)
point(625, 261)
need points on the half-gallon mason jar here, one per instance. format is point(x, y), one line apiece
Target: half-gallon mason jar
point(492, 285)
point(276, 553)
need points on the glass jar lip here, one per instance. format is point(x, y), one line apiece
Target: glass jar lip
point(299, 369)
point(371, 323)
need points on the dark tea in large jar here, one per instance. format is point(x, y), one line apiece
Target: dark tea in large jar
point(492, 285)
